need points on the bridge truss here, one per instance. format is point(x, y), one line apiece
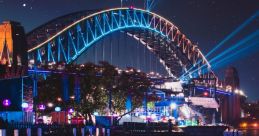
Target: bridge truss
point(66, 38)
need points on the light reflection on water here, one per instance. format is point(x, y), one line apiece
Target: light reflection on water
point(250, 132)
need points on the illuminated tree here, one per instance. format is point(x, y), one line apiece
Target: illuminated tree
point(93, 93)
point(49, 89)
point(133, 83)
point(101, 86)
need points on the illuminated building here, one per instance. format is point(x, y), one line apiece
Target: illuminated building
point(13, 68)
point(13, 49)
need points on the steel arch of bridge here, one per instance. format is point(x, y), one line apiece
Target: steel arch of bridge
point(67, 44)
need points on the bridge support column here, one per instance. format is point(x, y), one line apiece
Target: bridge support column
point(35, 84)
point(77, 89)
point(225, 109)
point(236, 108)
point(65, 85)
point(231, 110)
point(35, 91)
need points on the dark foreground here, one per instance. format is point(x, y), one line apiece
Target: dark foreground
point(128, 129)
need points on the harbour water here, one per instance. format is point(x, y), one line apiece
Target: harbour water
point(250, 132)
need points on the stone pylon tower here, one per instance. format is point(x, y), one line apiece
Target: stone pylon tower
point(233, 105)
point(13, 50)
point(232, 78)
point(13, 46)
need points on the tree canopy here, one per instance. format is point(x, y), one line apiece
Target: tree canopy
point(103, 88)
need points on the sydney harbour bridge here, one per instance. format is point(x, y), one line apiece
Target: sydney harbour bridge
point(63, 40)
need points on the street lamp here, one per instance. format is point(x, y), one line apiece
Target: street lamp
point(59, 99)
point(6, 103)
point(70, 114)
point(24, 106)
point(41, 107)
point(58, 109)
point(50, 105)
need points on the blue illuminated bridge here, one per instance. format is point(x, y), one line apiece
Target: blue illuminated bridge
point(64, 39)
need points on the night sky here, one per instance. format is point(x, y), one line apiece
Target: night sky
point(204, 22)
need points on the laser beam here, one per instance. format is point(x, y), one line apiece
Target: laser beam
point(248, 21)
point(240, 43)
point(239, 52)
point(242, 26)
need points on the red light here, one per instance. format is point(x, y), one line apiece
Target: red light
point(205, 93)
point(255, 124)
point(131, 7)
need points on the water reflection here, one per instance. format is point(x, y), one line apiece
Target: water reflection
point(250, 132)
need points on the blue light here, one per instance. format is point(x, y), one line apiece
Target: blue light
point(215, 64)
point(111, 31)
point(57, 109)
point(96, 113)
point(95, 31)
point(239, 52)
point(25, 105)
point(242, 42)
